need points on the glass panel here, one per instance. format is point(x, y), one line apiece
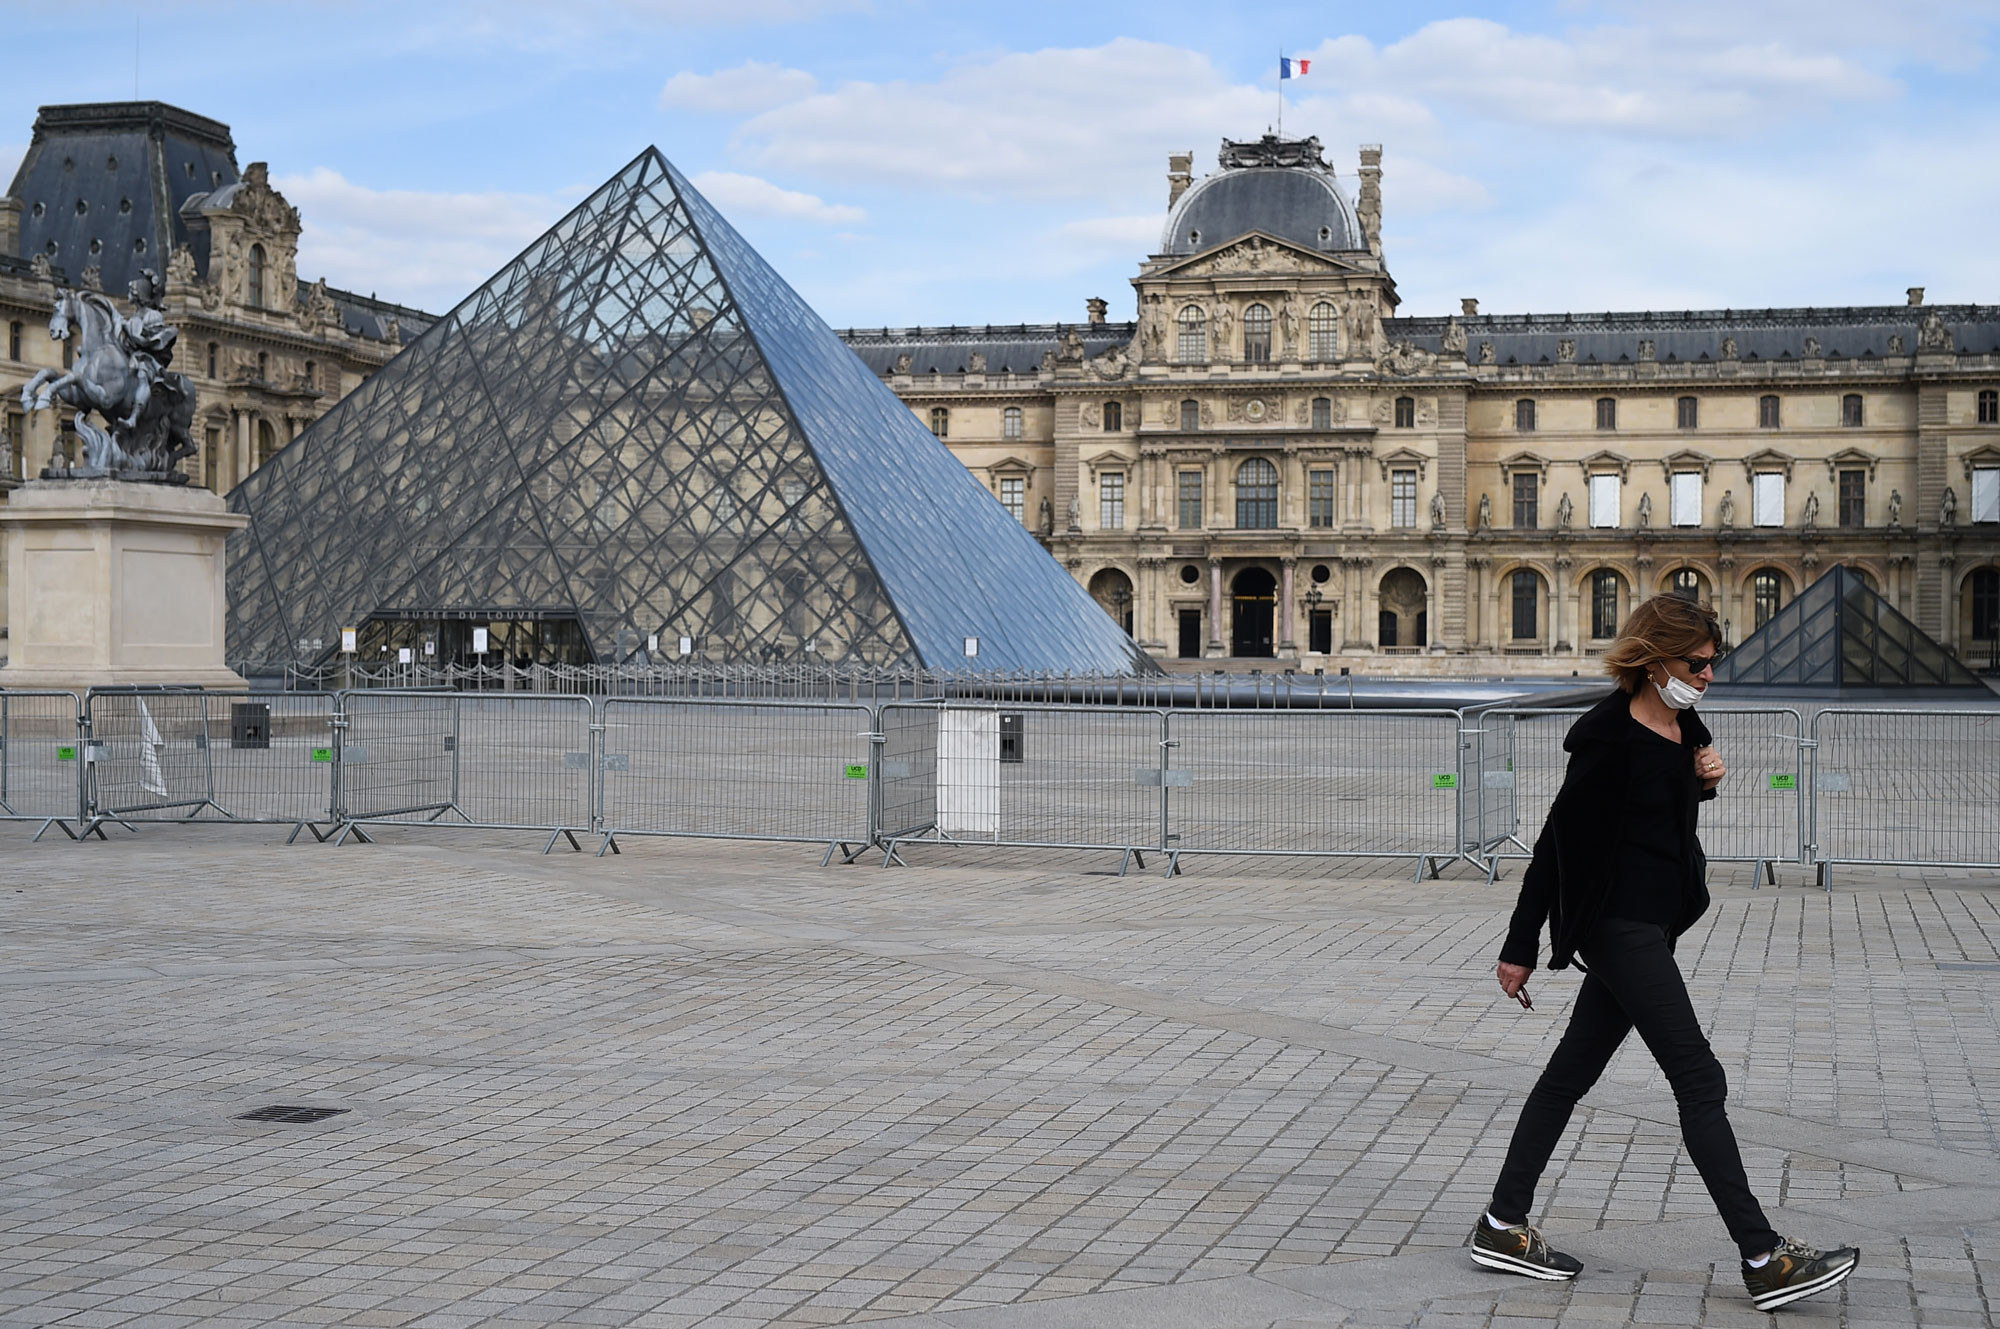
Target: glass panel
point(1986, 494)
point(1320, 499)
point(1190, 486)
point(1402, 498)
point(1768, 499)
point(1257, 495)
point(1603, 500)
point(1527, 500)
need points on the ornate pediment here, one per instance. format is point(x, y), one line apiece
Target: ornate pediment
point(1009, 466)
point(1109, 460)
point(1848, 459)
point(1687, 459)
point(1597, 463)
point(1256, 253)
point(1526, 461)
point(1403, 458)
point(1769, 459)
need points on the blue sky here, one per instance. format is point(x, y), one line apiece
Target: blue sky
point(905, 162)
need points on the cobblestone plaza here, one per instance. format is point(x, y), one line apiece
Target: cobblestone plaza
point(702, 1084)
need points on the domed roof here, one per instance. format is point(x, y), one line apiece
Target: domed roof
point(1296, 201)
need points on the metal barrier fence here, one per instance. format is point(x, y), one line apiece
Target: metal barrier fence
point(739, 770)
point(41, 760)
point(1866, 786)
point(1905, 787)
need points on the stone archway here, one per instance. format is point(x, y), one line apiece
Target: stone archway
point(1112, 589)
point(1404, 610)
point(1254, 603)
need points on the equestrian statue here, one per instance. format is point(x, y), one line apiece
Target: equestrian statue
point(119, 370)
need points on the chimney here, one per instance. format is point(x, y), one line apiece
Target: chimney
point(1916, 293)
point(1468, 306)
point(10, 227)
point(1180, 174)
point(1098, 308)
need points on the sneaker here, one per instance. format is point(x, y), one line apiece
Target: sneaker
point(1521, 1250)
point(1796, 1270)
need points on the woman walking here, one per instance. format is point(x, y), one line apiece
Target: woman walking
point(1618, 876)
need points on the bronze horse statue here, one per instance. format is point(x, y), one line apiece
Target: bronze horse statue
point(119, 371)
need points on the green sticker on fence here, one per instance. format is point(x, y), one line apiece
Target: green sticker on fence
point(1444, 780)
point(65, 754)
point(322, 754)
point(1784, 782)
point(858, 772)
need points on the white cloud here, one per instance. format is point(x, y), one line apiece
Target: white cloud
point(752, 195)
point(425, 249)
point(10, 159)
point(750, 87)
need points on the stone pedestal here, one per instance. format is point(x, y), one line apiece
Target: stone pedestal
point(112, 583)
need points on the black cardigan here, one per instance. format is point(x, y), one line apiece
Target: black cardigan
point(1575, 854)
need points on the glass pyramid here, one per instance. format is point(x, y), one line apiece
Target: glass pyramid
point(637, 427)
point(1839, 634)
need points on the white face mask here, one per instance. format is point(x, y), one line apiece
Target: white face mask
point(1677, 694)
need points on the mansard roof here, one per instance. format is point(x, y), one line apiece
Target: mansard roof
point(1282, 187)
point(1852, 332)
point(1015, 348)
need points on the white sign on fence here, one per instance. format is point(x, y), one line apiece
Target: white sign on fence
point(968, 773)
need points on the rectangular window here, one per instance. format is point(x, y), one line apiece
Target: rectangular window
point(1321, 640)
point(1603, 604)
point(1190, 634)
point(1526, 595)
point(1322, 413)
point(211, 452)
point(1014, 496)
point(1767, 412)
point(1524, 415)
point(1527, 501)
point(1986, 494)
point(1190, 416)
point(1685, 498)
point(1604, 501)
point(1850, 410)
point(1402, 498)
point(1111, 501)
point(1320, 499)
point(1607, 412)
point(1190, 485)
point(1854, 498)
point(1687, 413)
point(1406, 412)
point(1767, 499)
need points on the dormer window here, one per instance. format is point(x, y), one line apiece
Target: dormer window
point(1194, 237)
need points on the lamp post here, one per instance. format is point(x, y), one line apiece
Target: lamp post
point(1122, 597)
point(1313, 597)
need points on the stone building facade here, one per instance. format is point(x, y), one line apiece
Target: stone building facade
point(109, 190)
point(1271, 468)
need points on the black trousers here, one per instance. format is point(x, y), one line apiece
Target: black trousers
point(1634, 982)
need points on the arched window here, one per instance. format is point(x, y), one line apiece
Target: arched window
point(1607, 412)
point(1406, 412)
point(1603, 604)
point(1989, 404)
point(1010, 422)
point(1767, 589)
point(253, 279)
point(1257, 334)
point(1686, 583)
point(1687, 413)
point(1527, 588)
point(1193, 347)
point(267, 441)
point(1190, 415)
point(941, 422)
point(1985, 604)
point(1850, 410)
point(1114, 417)
point(1257, 495)
point(1322, 415)
point(1524, 415)
point(1767, 411)
point(1323, 327)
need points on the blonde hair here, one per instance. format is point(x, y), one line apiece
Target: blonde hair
point(1664, 626)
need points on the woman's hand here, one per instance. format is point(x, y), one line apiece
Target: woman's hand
point(1708, 767)
point(1514, 982)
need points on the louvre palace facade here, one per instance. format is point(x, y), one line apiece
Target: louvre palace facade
point(1271, 468)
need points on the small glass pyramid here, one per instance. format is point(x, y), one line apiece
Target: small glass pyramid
point(1837, 633)
point(638, 430)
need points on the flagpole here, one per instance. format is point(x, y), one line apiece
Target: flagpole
point(1281, 92)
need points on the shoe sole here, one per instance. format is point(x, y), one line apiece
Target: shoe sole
point(1508, 1264)
point(1770, 1301)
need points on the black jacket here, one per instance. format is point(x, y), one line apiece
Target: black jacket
point(1575, 854)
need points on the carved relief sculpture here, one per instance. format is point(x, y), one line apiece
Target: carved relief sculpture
point(975, 363)
point(1089, 415)
point(903, 363)
point(1566, 350)
point(1486, 353)
point(1453, 339)
point(1729, 348)
point(1932, 335)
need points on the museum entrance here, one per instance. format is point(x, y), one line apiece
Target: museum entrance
point(1254, 598)
point(438, 639)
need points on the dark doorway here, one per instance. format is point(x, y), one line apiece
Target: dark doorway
point(1254, 595)
point(1385, 627)
point(1322, 632)
point(1190, 634)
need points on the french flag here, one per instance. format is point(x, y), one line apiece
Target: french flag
point(1290, 68)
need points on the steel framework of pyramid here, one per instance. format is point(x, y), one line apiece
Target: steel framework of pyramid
point(1839, 635)
point(636, 426)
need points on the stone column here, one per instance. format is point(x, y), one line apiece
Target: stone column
point(1475, 588)
point(242, 458)
point(1215, 646)
point(1290, 643)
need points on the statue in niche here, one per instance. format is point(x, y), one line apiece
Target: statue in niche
point(1071, 352)
point(1486, 353)
point(1075, 513)
point(1729, 348)
point(1566, 350)
point(1453, 340)
point(1645, 510)
point(1725, 510)
point(903, 363)
point(1565, 510)
point(1932, 335)
point(118, 370)
point(1812, 347)
point(1812, 509)
point(1045, 519)
point(1437, 510)
point(1486, 512)
point(1948, 507)
point(1895, 507)
point(975, 363)
point(1647, 348)
point(1896, 344)
point(1288, 323)
point(1223, 320)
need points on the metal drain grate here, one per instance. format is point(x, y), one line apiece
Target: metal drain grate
point(289, 1114)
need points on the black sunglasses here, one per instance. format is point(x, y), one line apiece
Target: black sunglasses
point(1697, 663)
